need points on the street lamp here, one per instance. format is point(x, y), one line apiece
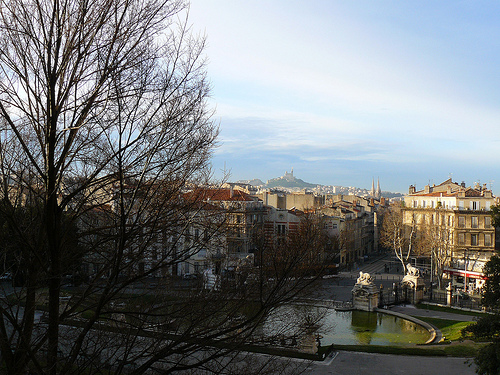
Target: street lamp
point(465, 270)
point(432, 271)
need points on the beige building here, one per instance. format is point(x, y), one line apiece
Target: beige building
point(355, 227)
point(462, 215)
point(289, 201)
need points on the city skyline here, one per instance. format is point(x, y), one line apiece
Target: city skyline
point(347, 91)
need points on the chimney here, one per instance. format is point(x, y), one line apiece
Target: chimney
point(427, 189)
point(412, 189)
point(231, 191)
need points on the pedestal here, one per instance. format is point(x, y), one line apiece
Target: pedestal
point(416, 284)
point(449, 294)
point(365, 295)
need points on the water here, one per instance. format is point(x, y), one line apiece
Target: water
point(370, 328)
point(346, 327)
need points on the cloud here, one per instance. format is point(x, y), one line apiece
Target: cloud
point(354, 88)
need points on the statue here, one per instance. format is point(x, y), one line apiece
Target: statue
point(413, 282)
point(365, 295)
point(364, 278)
point(412, 271)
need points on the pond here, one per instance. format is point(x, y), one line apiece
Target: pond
point(370, 328)
point(348, 327)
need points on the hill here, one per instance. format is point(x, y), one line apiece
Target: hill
point(288, 180)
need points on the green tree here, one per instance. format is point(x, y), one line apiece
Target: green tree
point(495, 215)
point(491, 289)
point(488, 328)
point(488, 358)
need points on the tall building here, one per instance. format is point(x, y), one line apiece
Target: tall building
point(376, 194)
point(463, 216)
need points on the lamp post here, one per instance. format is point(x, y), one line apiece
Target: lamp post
point(432, 271)
point(465, 270)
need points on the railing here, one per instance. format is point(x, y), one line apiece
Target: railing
point(458, 299)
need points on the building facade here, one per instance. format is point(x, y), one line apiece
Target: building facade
point(462, 215)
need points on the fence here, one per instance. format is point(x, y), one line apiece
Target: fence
point(395, 295)
point(403, 294)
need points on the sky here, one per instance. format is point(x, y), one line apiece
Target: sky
point(345, 92)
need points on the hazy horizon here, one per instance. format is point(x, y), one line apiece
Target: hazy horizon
point(344, 92)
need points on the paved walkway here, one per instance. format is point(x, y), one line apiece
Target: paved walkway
point(413, 311)
point(347, 363)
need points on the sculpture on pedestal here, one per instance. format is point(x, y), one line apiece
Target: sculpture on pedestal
point(365, 294)
point(413, 282)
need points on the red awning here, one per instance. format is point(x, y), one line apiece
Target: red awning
point(468, 274)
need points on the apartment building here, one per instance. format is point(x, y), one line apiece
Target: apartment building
point(243, 219)
point(356, 228)
point(463, 213)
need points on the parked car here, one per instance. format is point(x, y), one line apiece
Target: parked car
point(190, 276)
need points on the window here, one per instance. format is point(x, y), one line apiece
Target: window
point(473, 239)
point(461, 239)
point(487, 239)
point(474, 205)
point(423, 204)
point(487, 222)
point(474, 222)
point(415, 204)
point(461, 221)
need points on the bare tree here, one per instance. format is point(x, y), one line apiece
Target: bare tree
point(435, 240)
point(398, 234)
point(103, 126)
point(347, 242)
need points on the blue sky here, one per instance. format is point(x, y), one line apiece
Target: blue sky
point(347, 91)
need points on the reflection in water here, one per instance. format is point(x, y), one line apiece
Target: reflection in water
point(363, 328)
point(344, 327)
point(363, 325)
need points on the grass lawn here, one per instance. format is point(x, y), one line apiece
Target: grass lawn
point(451, 329)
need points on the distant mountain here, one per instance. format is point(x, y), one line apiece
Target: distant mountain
point(288, 180)
point(254, 182)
